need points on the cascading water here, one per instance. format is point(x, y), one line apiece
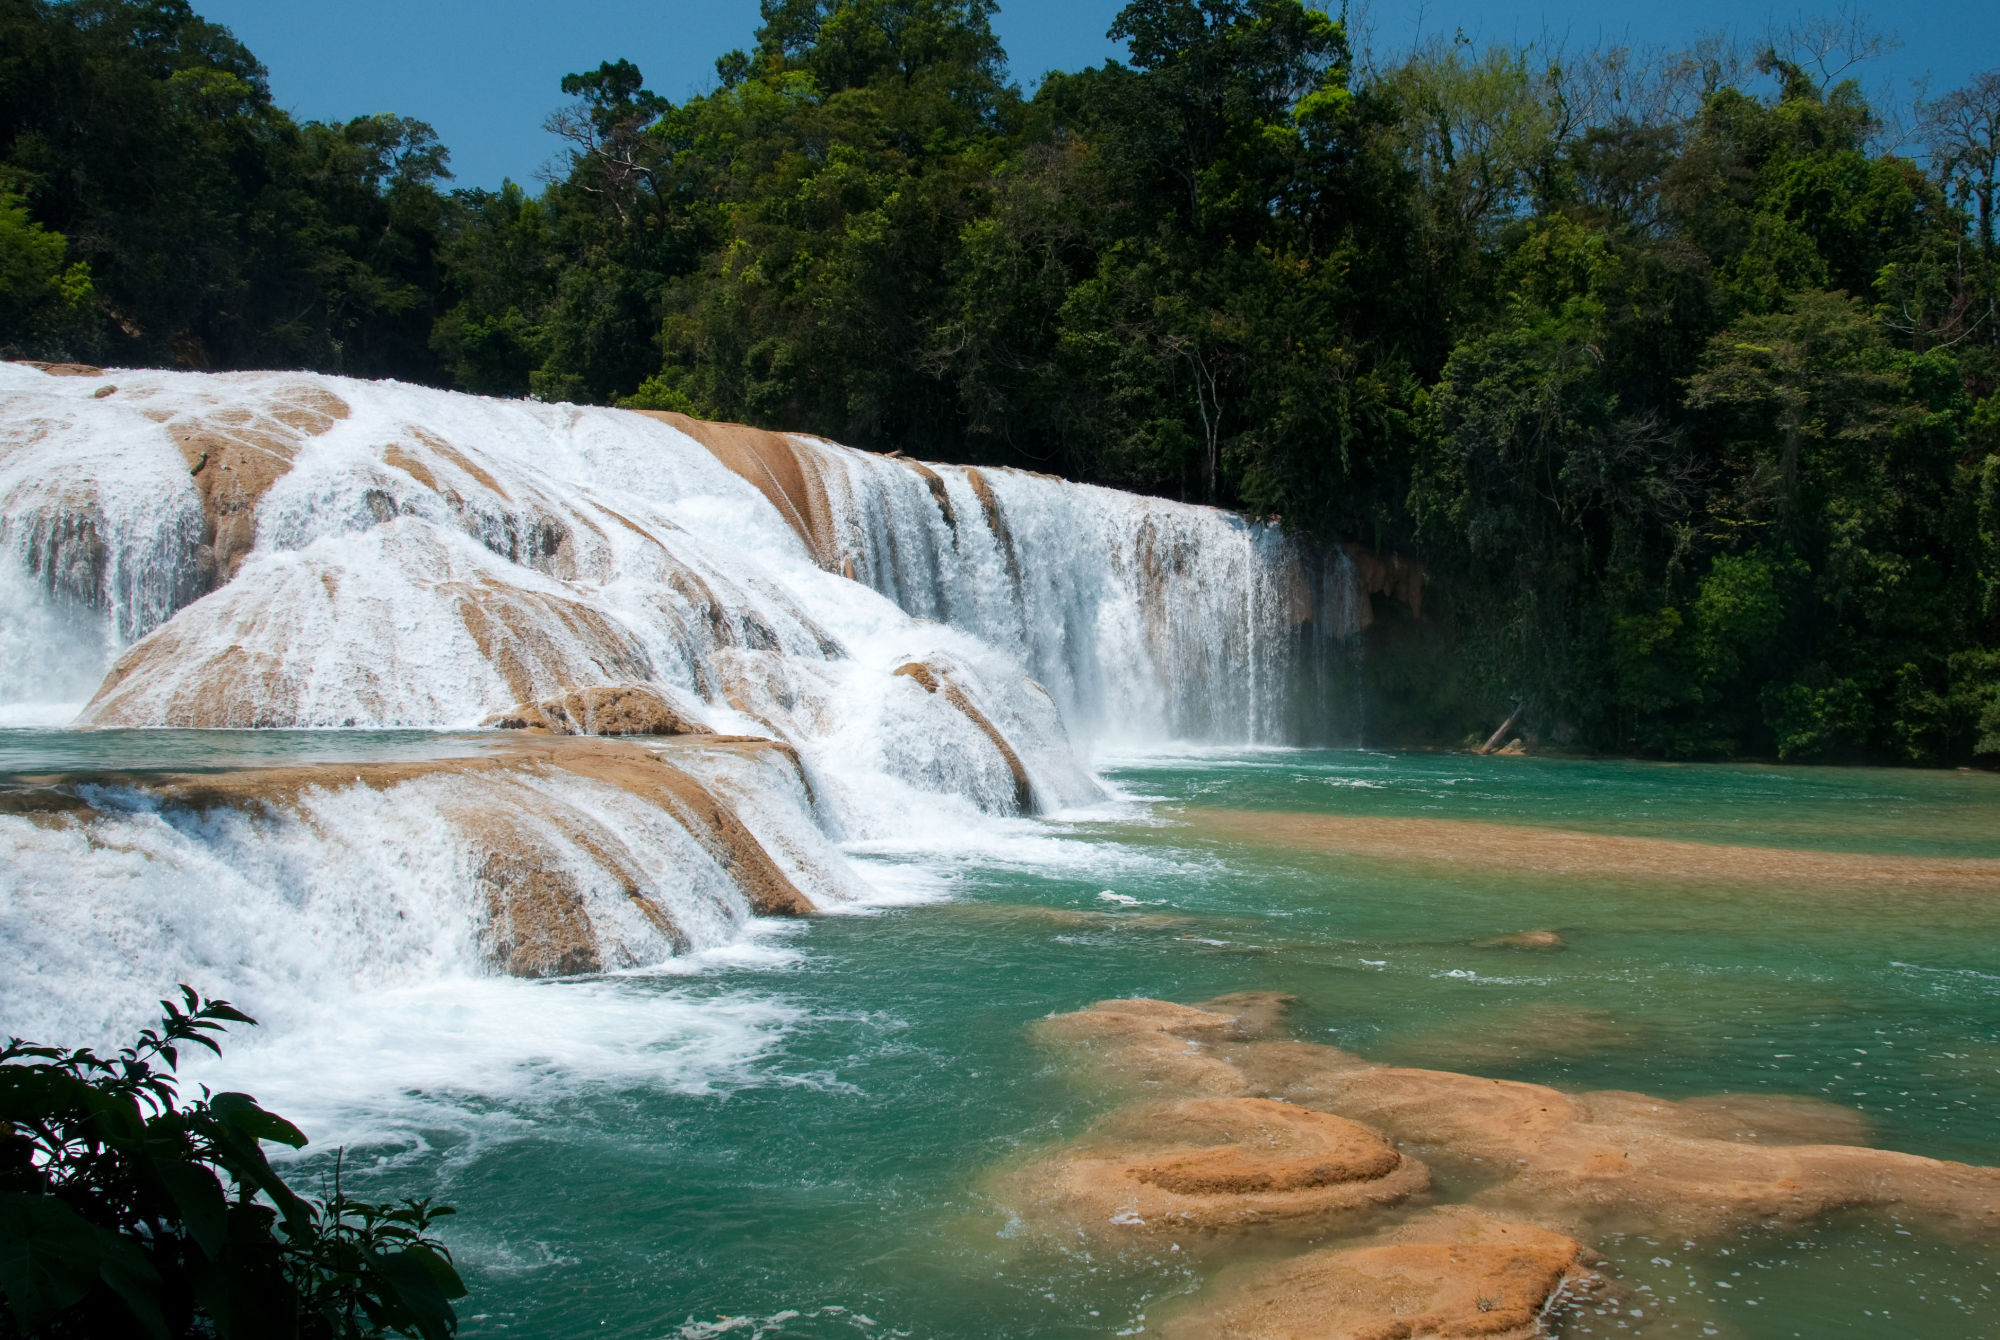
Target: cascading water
point(1147, 620)
point(930, 646)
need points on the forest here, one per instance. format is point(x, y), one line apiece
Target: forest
point(1676, 369)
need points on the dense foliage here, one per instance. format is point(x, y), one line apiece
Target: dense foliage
point(127, 1210)
point(1681, 385)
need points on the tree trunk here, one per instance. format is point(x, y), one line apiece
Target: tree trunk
point(1499, 737)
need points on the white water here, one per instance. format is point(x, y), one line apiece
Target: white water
point(1147, 620)
point(434, 558)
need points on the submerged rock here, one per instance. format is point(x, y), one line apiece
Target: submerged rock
point(1206, 1166)
point(1600, 1161)
point(1525, 940)
point(1559, 853)
point(1507, 1035)
point(1454, 1272)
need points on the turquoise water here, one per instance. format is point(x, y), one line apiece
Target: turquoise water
point(36, 751)
point(795, 1139)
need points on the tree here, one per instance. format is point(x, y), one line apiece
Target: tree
point(44, 302)
point(1962, 131)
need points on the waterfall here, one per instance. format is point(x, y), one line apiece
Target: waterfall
point(927, 645)
point(1145, 619)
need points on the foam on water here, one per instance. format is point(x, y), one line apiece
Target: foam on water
point(399, 557)
point(467, 1060)
point(350, 889)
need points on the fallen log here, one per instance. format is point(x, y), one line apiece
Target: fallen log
point(1499, 737)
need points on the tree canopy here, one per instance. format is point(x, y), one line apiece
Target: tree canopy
point(1680, 382)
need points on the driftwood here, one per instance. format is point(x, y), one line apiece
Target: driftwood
point(1499, 737)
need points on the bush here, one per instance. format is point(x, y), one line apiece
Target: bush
point(126, 1210)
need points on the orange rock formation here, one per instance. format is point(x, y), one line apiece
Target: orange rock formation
point(236, 453)
point(1602, 1161)
point(1452, 1273)
point(537, 921)
point(935, 679)
point(1207, 1166)
point(780, 470)
point(617, 709)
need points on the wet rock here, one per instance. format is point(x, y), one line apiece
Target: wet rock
point(1527, 941)
point(935, 483)
point(1606, 1161)
point(1555, 853)
point(537, 864)
point(1389, 575)
point(935, 679)
point(996, 521)
point(1214, 1166)
point(1508, 1035)
point(617, 709)
point(61, 369)
point(778, 468)
point(1454, 1272)
point(237, 452)
point(1153, 1043)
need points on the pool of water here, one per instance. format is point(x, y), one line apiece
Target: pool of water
point(27, 751)
point(796, 1136)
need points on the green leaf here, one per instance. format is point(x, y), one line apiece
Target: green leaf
point(203, 1205)
point(131, 1276)
point(422, 1284)
point(241, 1113)
point(442, 1272)
point(49, 1257)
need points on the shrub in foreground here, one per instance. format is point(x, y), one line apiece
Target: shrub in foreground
point(127, 1210)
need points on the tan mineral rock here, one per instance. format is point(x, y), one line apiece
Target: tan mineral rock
point(1214, 1166)
point(781, 468)
point(1600, 1161)
point(616, 709)
point(1454, 1272)
point(537, 922)
point(1525, 940)
point(1388, 575)
point(935, 483)
point(1504, 1035)
point(61, 369)
point(235, 453)
point(1553, 853)
point(996, 521)
point(935, 679)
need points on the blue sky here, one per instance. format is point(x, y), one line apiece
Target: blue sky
point(484, 72)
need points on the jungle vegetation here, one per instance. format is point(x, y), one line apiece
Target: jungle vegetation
point(1677, 369)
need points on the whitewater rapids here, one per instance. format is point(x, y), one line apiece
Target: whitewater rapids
point(930, 647)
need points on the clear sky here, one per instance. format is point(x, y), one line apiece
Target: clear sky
point(485, 72)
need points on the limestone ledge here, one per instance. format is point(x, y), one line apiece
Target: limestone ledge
point(1282, 1139)
point(512, 836)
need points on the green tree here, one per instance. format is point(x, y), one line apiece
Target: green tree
point(44, 298)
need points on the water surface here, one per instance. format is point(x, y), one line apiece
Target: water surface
point(793, 1137)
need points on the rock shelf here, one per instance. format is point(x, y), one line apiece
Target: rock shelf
point(1206, 1166)
point(1291, 1137)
